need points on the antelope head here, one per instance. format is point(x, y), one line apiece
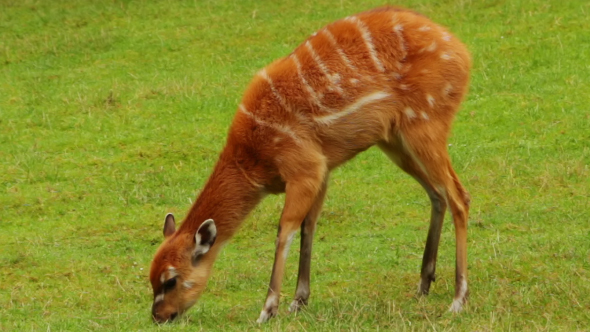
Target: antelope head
point(180, 269)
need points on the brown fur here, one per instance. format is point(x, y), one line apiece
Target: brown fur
point(282, 139)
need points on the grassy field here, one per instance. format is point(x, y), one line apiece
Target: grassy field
point(112, 113)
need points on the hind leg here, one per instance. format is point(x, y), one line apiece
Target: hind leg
point(396, 153)
point(423, 154)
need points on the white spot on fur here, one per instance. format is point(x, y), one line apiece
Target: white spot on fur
point(447, 89)
point(446, 36)
point(430, 100)
point(424, 116)
point(368, 41)
point(188, 284)
point(424, 28)
point(398, 28)
point(357, 105)
point(354, 81)
point(445, 56)
point(410, 112)
point(431, 47)
point(159, 298)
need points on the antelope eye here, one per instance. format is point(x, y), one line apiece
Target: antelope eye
point(169, 285)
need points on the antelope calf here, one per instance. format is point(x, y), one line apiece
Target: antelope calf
point(387, 77)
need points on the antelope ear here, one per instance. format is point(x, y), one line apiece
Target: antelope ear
point(169, 225)
point(204, 238)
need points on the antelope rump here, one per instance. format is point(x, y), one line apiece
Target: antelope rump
point(387, 77)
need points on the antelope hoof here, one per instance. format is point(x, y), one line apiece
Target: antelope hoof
point(423, 288)
point(457, 305)
point(266, 314)
point(297, 305)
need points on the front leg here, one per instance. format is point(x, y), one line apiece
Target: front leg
point(300, 195)
point(307, 231)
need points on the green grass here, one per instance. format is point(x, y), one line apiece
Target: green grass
point(112, 114)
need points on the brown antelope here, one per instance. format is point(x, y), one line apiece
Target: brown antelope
point(387, 77)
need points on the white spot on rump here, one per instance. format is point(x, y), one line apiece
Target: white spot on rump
point(447, 89)
point(368, 41)
point(357, 105)
point(431, 47)
point(410, 112)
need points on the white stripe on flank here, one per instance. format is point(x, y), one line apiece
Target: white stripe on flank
point(334, 79)
point(279, 97)
point(357, 105)
point(339, 50)
point(398, 30)
point(278, 127)
point(368, 41)
point(314, 96)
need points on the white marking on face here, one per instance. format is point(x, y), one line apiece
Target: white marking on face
point(368, 42)
point(345, 59)
point(357, 105)
point(278, 127)
point(410, 112)
point(445, 56)
point(430, 100)
point(159, 298)
point(333, 78)
point(171, 272)
point(163, 277)
point(424, 116)
point(188, 284)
